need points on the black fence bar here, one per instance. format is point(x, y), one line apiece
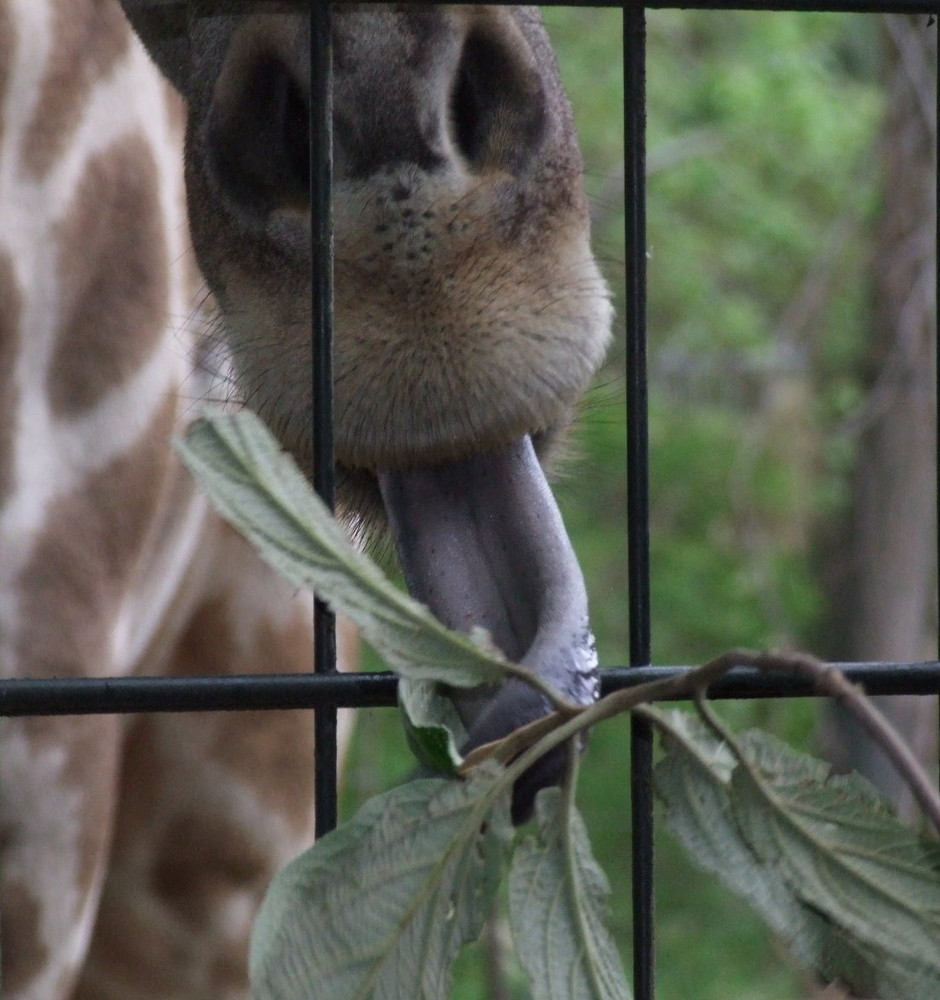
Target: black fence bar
point(936, 250)
point(321, 263)
point(641, 735)
point(748, 682)
point(252, 692)
point(634, 132)
point(128, 695)
point(831, 6)
point(827, 6)
point(321, 249)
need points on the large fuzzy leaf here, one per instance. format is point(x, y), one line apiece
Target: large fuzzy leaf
point(848, 859)
point(380, 907)
point(260, 490)
point(557, 908)
point(854, 893)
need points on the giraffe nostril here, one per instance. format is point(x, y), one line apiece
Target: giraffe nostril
point(497, 105)
point(258, 138)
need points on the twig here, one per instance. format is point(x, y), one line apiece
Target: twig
point(537, 738)
point(542, 735)
point(507, 747)
point(828, 680)
point(833, 682)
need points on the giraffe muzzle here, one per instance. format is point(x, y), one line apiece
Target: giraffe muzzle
point(482, 543)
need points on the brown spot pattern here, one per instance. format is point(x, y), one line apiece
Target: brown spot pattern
point(84, 560)
point(253, 747)
point(89, 745)
point(20, 923)
point(135, 945)
point(190, 846)
point(8, 43)
point(11, 308)
point(114, 277)
point(89, 38)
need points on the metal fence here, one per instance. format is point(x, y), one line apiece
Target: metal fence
point(325, 689)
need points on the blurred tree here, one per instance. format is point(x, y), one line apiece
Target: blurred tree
point(879, 566)
point(760, 131)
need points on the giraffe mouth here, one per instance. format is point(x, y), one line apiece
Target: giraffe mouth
point(482, 543)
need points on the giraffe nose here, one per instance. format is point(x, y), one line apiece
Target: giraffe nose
point(477, 103)
point(497, 110)
point(257, 130)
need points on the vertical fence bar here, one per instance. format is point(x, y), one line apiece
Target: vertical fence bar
point(321, 263)
point(936, 306)
point(634, 53)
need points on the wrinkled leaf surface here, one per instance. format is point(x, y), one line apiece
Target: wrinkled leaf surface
point(855, 894)
point(380, 907)
point(260, 490)
point(558, 907)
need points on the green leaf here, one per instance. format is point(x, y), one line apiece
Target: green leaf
point(381, 906)
point(692, 781)
point(847, 858)
point(854, 893)
point(557, 908)
point(260, 490)
point(432, 726)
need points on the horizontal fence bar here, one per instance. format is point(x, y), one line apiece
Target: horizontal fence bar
point(122, 695)
point(212, 7)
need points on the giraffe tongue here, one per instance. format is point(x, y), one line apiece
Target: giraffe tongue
point(481, 542)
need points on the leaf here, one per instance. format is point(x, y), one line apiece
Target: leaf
point(692, 781)
point(432, 726)
point(380, 907)
point(260, 490)
point(557, 908)
point(854, 893)
point(846, 857)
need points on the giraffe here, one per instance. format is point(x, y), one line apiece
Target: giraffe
point(133, 851)
point(470, 317)
point(470, 314)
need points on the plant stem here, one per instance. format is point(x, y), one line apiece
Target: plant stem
point(677, 686)
point(832, 682)
point(570, 784)
point(536, 739)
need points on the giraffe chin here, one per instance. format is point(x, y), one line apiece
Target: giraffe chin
point(482, 543)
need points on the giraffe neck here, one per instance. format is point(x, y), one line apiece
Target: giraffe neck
point(96, 323)
point(122, 841)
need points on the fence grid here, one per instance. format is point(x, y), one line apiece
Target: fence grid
point(325, 689)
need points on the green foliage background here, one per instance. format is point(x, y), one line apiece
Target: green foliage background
point(763, 181)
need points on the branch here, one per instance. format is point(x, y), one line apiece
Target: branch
point(537, 738)
point(830, 681)
point(544, 734)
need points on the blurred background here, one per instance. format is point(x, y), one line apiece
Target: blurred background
point(791, 230)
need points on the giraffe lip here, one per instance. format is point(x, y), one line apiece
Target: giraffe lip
point(481, 542)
